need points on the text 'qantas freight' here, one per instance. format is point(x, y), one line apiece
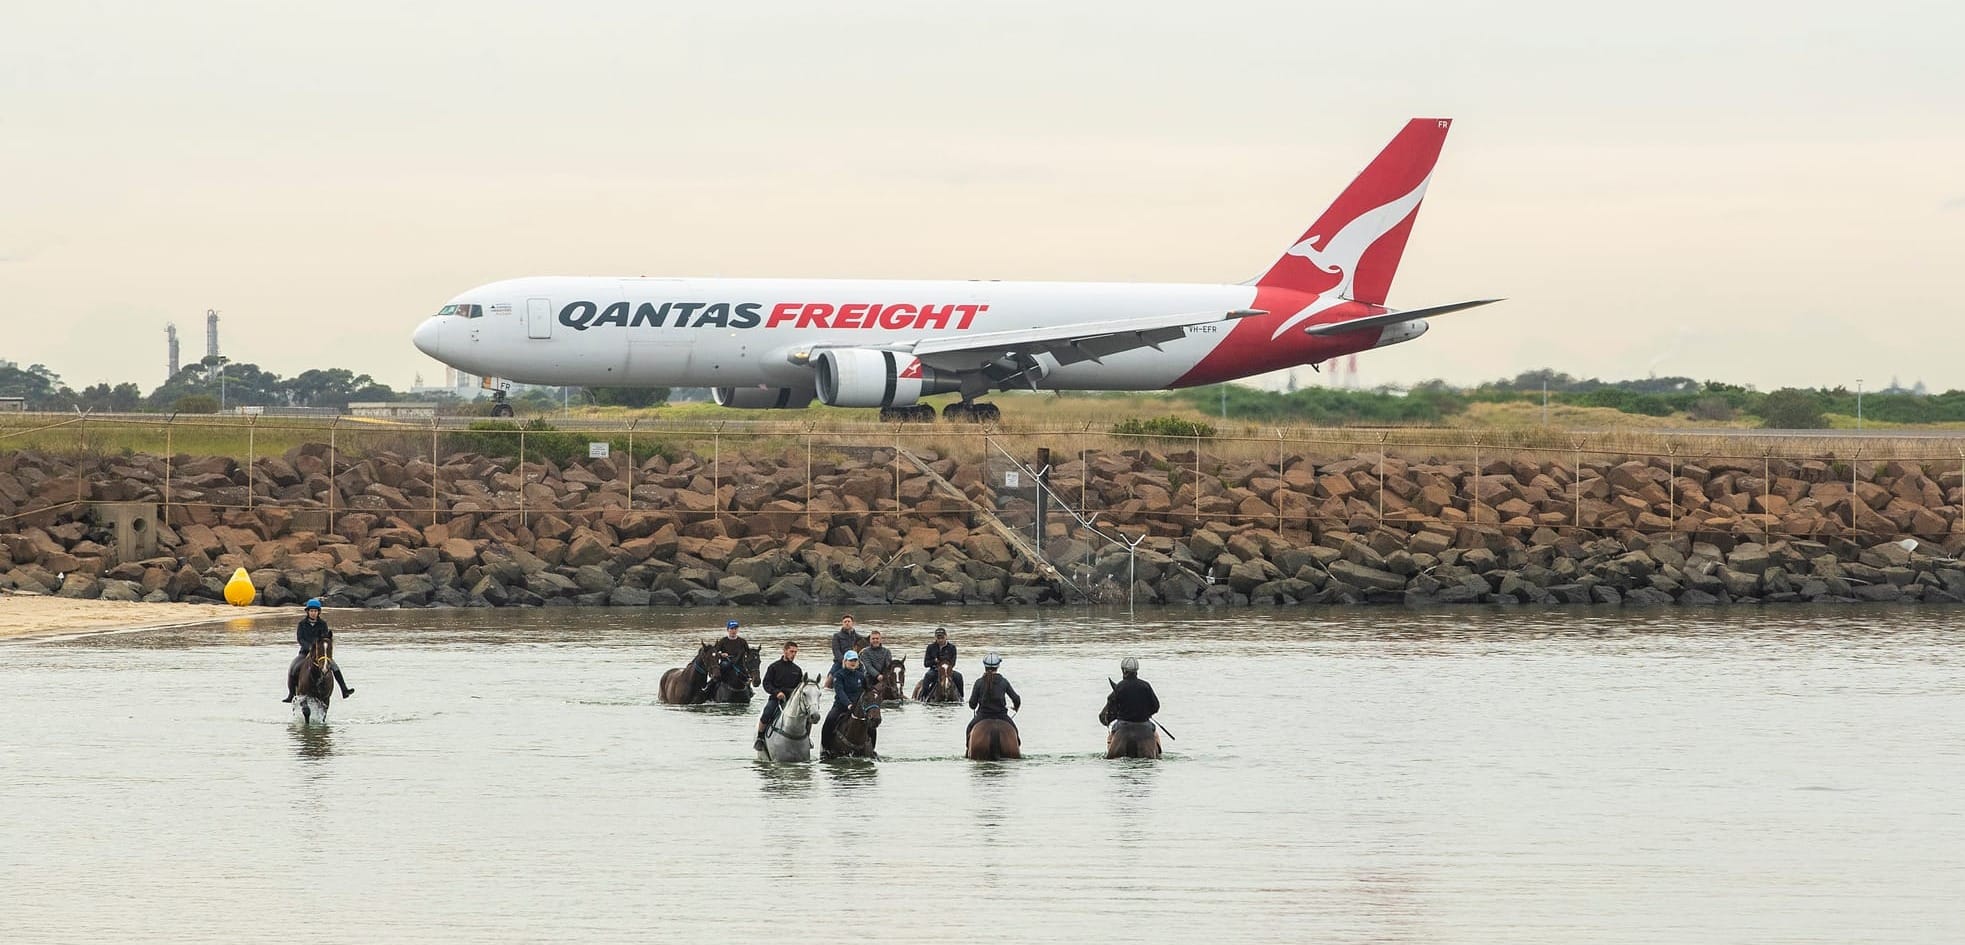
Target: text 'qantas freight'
point(772, 343)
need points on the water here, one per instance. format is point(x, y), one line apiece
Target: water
point(1350, 776)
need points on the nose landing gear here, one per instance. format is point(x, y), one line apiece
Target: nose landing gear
point(500, 407)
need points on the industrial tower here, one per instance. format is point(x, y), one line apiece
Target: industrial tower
point(170, 334)
point(211, 333)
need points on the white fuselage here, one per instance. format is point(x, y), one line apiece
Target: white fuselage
point(656, 332)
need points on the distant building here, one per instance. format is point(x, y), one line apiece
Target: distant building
point(13, 405)
point(410, 410)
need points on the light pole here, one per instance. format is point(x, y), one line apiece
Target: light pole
point(222, 361)
point(1859, 403)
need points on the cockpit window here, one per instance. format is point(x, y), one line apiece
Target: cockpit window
point(462, 311)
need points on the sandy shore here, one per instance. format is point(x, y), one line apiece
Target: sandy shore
point(37, 616)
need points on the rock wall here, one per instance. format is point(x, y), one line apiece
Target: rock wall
point(386, 530)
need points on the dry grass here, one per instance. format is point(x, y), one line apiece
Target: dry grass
point(1063, 424)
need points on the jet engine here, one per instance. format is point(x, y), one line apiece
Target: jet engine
point(864, 377)
point(762, 398)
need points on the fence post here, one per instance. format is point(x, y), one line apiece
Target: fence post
point(333, 487)
point(1197, 481)
point(170, 463)
point(521, 472)
point(1576, 486)
point(1766, 495)
point(252, 427)
point(808, 474)
point(1475, 506)
point(1381, 477)
point(434, 470)
point(1671, 494)
point(631, 462)
point(716, 471)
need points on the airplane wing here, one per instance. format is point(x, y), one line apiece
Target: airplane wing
point(1392, 318)
point(1084, 341)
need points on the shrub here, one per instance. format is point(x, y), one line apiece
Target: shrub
point(1791, 409)
point(196, 403)
point(1164, 426)
point(1711, 407)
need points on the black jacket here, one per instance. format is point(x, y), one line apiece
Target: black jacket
point(309, 630)
point(845, 640)
point(733, 647)
point(782, 677)
point(874, 660)
point(988, 695)
point(937, 655)
point(1131, 701)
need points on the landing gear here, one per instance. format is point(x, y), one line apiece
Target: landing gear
point(919, 413)
point(970, 412)
point(500, 407)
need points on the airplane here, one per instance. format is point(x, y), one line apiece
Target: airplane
point(783, 343)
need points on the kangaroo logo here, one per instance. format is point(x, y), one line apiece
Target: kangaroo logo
point(1339, 255)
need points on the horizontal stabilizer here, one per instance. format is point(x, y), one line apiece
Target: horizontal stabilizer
point(1392, 318)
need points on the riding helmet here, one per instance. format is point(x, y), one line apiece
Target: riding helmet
point(850, 656)
point(992, 659)
point(1129, 665)
point(732, 625)
point(313, 603)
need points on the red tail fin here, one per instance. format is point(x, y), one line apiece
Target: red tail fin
point(1353, 249)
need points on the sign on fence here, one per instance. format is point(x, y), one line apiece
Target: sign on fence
point(597, 450)
point(1010, 479)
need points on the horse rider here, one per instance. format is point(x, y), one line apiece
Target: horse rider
point(988, 698)
point(939, 652)
point(312, 627)
point(846, 639)
point(849, 681)
point(732, 646)
point(779, 680)
point(875, 658)
point(1132, 700)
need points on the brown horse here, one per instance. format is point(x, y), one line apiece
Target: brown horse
point(316, 685)
point(993, 739)
point(854, 736)
point(944, 686)
point(695, 683)
point(892, 684)
point(1132, 740)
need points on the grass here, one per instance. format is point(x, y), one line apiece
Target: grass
point(1064, 424)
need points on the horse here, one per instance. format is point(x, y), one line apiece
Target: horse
point(994, 739)
point(1132, 740)
point(891, 686)
point(941, 687)
point(316, 685)
point(733, 682)
point(694, 683)
point(853, 736)
point(790, 735)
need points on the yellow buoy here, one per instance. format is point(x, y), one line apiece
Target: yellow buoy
point(239, 591)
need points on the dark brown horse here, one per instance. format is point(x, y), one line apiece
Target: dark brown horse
point(854, 736)
point(316, 682)
point(891, 686)
point(695, 683)
point(944, 686)
point(993, 739)
point(1132, 740)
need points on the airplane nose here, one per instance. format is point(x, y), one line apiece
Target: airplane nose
point(429, 337)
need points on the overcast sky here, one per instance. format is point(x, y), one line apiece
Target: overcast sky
point(1769, 194)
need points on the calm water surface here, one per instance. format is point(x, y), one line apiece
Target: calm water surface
point(1354, 776)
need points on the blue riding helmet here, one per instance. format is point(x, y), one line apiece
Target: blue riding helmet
point(732, 625)
point(313, 603)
